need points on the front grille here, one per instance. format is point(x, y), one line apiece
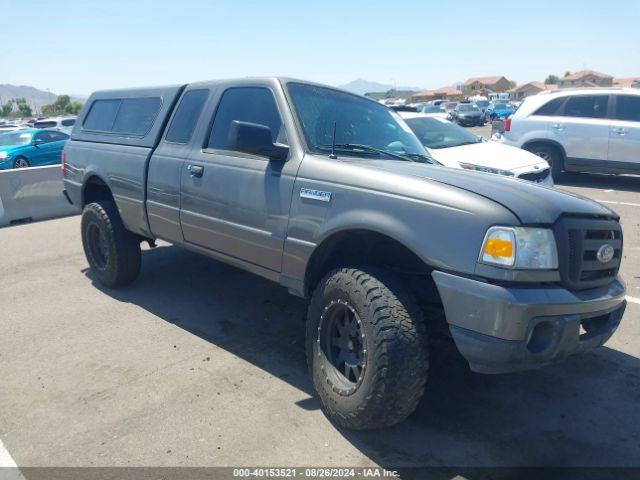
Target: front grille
point(537, 176)
point(579, 240)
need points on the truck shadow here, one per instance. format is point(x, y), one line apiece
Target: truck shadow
point(580, 412)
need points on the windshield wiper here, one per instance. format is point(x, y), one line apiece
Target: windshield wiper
point(419, 157)
point(411, 157)
point(364, 148)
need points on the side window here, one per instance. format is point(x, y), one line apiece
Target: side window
point(551, 108)
point(136, 115)
point(247, 104)
point(44, 137)
point(68, 122)
point(186, 116)
point(627, 108)
point(102, 115)
point(58, 136)
point(587, 106)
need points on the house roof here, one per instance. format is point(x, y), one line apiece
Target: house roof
point(447, 91)
point(625, 82)
point(535, 84)
point(484, 80)
point(425, 93)
point(438, 91)
point(586, 73)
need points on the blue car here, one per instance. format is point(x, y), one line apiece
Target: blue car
point(31, 148)
point(499, 110)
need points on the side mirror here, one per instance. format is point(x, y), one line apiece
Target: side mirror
point(256, 139)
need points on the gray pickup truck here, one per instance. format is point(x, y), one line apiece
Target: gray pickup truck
point(331, 195)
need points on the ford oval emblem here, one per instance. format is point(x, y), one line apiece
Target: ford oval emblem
point(605, 253)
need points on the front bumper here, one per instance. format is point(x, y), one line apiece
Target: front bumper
point(500, 329)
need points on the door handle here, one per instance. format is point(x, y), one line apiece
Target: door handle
point(620, 131)
point(558, 126)
point(195, 170)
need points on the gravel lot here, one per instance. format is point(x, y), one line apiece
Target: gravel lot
point(201, 364)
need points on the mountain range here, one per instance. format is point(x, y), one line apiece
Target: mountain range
point(361, 87)
point(35, 98)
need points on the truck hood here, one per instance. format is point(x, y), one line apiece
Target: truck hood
point(487, 154)
point(531, 203)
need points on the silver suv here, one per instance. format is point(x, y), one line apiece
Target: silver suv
point(580, 130)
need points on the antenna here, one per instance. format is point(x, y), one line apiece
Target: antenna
point(333, 155)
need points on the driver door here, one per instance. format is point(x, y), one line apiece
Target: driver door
point(43, 151)
point(235, 203)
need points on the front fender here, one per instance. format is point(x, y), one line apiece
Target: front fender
point(442, 225)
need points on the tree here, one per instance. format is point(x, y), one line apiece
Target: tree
point(6, 109)
point(24, 109)
point(61, 106)
point(551, 80)
point(567, 73)
point(512, 84)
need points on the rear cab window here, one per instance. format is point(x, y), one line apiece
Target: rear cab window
point(128, 116)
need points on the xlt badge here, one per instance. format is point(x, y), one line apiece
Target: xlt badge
point(311, 194)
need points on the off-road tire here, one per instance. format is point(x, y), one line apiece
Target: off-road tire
point(120, 263)
point(395, 341)
point(551, 154)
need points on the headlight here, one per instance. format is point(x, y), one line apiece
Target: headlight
point(3, 155)
point(520, 247)
point(478, 168)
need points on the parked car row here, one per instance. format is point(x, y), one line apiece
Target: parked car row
point(465, 112)
point(31, 148)
point(64, 124)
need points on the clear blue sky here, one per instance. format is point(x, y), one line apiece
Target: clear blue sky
point(75, 46)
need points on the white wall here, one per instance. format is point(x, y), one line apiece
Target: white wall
point(31, 194)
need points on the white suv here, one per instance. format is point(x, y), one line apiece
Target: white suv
point(580, 130)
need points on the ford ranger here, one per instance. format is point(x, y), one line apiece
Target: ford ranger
point(332, 195)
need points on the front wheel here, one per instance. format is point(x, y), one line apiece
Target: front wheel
point(21, 162)
point(112, 251)
point(366, 348)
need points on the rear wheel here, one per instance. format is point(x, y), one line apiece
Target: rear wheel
point(112, 251)
point(551, 154)
point(366, 348)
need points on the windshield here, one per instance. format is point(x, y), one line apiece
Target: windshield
point(482, 103)
point(431, 109)
point(501, 106)
point(467, 108)
point(15, 138)
point(358, 122)
point(437, 133)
